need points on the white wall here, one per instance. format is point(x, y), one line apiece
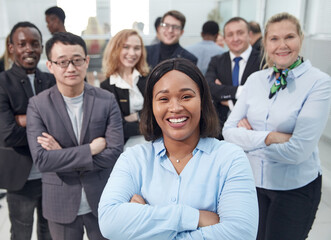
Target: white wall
point(13, 11)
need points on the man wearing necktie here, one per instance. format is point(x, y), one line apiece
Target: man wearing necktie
point(228, 72)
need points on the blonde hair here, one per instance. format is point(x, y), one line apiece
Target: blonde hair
point(7, 56)
point(111, 55)
point(284, 16)
point(93, 28)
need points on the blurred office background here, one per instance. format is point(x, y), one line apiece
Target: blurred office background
point(111, 16)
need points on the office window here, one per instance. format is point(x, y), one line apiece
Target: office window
point(318, 17)
point(226, 10)
point(247, 9)
point(278, 6)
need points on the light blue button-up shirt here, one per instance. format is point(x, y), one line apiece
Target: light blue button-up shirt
point(302, 109)
point(204, 51)
point(218, 178)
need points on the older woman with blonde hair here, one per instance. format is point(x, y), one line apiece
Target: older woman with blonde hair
point(124, 64)
point(278, 121)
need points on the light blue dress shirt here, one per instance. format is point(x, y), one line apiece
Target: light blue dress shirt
point(302, 109)
point(218, 178)
point(204, 51)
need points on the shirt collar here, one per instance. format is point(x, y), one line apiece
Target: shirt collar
point(294, 73)
point(204, 145)
point(245, 55)
point(119, 82)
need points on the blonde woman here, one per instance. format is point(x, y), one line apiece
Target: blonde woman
point(278, 120)
point(124, 64)
point(6, 60)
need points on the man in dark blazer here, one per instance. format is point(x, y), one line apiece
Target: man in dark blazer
point(171, 29)
point(220, 69)
point(75, 136)
point(17, 173)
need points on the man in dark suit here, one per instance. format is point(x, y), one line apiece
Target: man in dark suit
point(75, 136)
point(172, 28)
point(17, 173)
point(225, 85)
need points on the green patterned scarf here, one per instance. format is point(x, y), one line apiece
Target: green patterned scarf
point(281, 80)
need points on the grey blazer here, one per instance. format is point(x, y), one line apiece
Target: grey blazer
point(66, 171)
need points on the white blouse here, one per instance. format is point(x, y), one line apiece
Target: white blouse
point(136, 98)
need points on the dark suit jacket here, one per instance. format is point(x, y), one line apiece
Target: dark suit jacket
point(153, 54)
point(123, 100)
point(258, 45)
point(15, 91)
point(66, 171)
point(220, 68)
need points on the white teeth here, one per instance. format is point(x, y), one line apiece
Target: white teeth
point(29, 59)
point(177, 120)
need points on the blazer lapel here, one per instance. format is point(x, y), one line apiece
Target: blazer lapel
point(38, 83)
point(27, 87)
point(61, 109)
point(227, 69)
point(22, 79)
point(249, 67)
point(88, 102)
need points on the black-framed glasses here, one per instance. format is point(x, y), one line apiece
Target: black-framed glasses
point(65, 63)
point(168, 26)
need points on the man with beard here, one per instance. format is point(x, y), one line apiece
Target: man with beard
point(17, 172)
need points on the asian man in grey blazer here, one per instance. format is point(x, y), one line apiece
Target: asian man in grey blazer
point(75, 136)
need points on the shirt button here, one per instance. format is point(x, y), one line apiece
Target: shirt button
point(173, 199)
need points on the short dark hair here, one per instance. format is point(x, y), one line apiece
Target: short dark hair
point(209, 123)
point(57, 12)
point(176, 14)
point(23, 25)
point(210, 28)
point(235, 19)
point(65, 38)
point(157, 22)
point(254, 27)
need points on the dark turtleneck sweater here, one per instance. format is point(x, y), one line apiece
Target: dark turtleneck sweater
point(160, 52)
point(166, 51)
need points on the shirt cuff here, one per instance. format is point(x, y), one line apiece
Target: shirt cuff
point(239, 90)
point(189, 220)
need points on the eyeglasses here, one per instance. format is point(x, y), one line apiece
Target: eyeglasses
point(168, 26)
point(65, 63)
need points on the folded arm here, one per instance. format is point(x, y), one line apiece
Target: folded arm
point(236, 217)
point(219, 92)
point(238, 130)
point(308, 129)
point(12, 129)
point(120, 219)
point(50, 156)
point(237, 206)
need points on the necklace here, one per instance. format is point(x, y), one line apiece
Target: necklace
point(178, 160)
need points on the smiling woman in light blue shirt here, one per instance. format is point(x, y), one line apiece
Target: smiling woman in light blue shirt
point(184, 184)
point(278, 121)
